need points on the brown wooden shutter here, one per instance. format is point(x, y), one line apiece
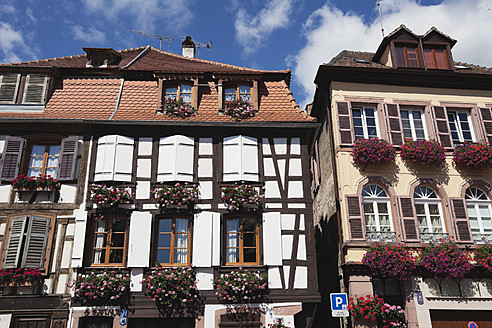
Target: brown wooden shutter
point(408, 219)
point(14, 245)
point(486, 121)
point(36, 241)
point(35, 89)
point(68, 158)
point(12, 154)
point(356, 225)
point(441, 125)
point(393, 123)
point(345, 123)
point(9, 85)
point(461, 222)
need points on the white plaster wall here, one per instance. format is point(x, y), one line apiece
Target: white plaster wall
point(295, 189)
point(274, 279)
point(300, 280)
point(68, 193)
point(144, 167)
point(135, 279)
point(5, 320)
point(271, 189)
point(206, 190)
point(205, 167)
point(204, 277)
point(5, 193)
point(142, 191)
point(205, 146)
point(144, 146)
point(295, 146)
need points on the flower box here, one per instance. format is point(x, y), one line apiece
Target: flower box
point(239, 109)
point(179, 196)
point(39, 183)
point(20, 277)
point(483, 256)
point(112, 196)
point(241, 286)
point(372, 151)
point(372, 311)
point(241, 196)
point(390, 261)
point(475, 156)
point(427, 152)
point(178, 108)
point(445, 259)
point(109, 287)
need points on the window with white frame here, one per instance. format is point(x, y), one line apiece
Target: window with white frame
point(429, 214)
point(413, 124)
point(114, 158)
point(365, 122)
point(460, 126)
point(377, 214)
point(479, 213)
point(179, 91)
point(240, 158)
point(176, 158)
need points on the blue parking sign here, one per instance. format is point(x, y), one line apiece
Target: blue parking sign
point(338, 301)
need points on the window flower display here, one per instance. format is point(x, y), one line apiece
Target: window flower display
point(179, 194)
point(41, 182)
point(475, 156)
point(428, 152)
point(373, 308)
point(20, 276)
point(239, 109)
point(483, 256)
point(240, 196)
point(445, 259)
point(104, 195)
point(240, 286)
point(172, 287)
point(389, 261)
point(177, 108)
point(109, 287)
point(372, 151)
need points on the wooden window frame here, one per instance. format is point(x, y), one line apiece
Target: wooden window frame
point(362, 108)
point(241, 262)
point(21, 89)
point(108, 245)
point(405, 47)
point(172, 244)
point(27, 161)
point(17, 319)
point(237, 94)
point(178, 91)
point(434, 57)
point(49, 242)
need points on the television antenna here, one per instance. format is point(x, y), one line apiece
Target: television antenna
point(380, 17)
point(154, 36)
point(200, 45)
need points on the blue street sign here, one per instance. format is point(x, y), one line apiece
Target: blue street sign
point(339, 301)
point(471, 324)
point(123, 317)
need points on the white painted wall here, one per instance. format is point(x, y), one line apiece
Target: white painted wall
point(139, 240)
point(68, 193)
point(272, 240)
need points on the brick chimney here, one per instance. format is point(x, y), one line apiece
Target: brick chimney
point(188, 47)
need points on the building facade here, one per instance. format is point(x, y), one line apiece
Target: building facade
point(410, 88)
point(99, 121)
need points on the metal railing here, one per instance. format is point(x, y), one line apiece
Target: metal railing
point(426, 237)
point(380, 236)
point(482, 238)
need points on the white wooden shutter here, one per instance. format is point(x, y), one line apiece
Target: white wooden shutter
point(35, 89)
point(9, 84)
point(167, 159)
point(202, 240)
point(14, 245)
point(79, 238)
point(140, 239)
point(232, 158)
point(36, 242)
point(106, 149)
point(185, 154)
point(123, 162)
point(249, 159)
point(272, 239)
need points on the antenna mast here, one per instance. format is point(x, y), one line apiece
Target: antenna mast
point(154, 36)
point(203, 45)
point(380, 18)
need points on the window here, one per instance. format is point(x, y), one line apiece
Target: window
point(241, 320)
point(240, 159)
point(407, 56)
point(176, 158)
point(389, 290)
point(413, 124)
point(28, 241)
point(429, 214)
point(173, 241)
point(242, 240)
point(479, 213)
point(110, 239)
point(44, 160)
point(33, 90)
point(240, 92)
point(461, 127)
point(180, 91)
point(31, 322)
point(436, 58)
point(365, 122)
point(114, 158)
point(95, 322)
point(377, 214)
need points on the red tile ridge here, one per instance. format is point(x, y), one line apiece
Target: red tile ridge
point(294, 103)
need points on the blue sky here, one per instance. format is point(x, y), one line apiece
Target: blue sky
point(267, 34)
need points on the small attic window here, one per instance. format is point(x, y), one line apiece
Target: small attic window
point(461, 67)
point(101, 57)
point(361, 61)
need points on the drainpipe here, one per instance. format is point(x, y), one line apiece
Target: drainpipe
point(118, 100)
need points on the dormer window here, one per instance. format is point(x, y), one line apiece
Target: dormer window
point(407, 56)
point(240, 92)
point(26, 89)
point(179, 91)
point(436, 58)
point(101, 57)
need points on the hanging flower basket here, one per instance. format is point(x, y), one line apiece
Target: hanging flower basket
point(240, 286)
point(390, 261)
point(483, 256)
point(109, 287)
point(427, 152)
point(110, 197)
point(178, 108)
point(20, 277)
point(240, 197)
point(172, 288)
point(475, 156)
point(41, 182)
point(239, 109)
point(445, 259)
point(372, 152)
point(373, 308)
point(179, 194)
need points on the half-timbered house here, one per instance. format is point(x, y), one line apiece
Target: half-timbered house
point(111, 104)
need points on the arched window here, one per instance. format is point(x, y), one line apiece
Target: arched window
point(377, 214)
point(429, 214)
point(479, 213)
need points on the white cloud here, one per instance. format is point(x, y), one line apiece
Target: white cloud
point(253, 30)
point(30, 15)
point(10, 40)
point(146, 14)
point(329, 31)
point(89, 35)
point(7, 9)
